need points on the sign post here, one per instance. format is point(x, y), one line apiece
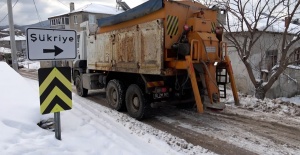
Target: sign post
point(55, 83)
point(57, 125)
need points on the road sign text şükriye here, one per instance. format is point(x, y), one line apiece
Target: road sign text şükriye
point(34, 37)
point(55, 89)
point(48, 37)
point(51, 44)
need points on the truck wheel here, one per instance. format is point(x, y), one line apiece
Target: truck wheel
point(79, 88)
point(136, 102)
point(115, 94)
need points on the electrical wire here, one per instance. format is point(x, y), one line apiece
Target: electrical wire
point(7, 13)
point(63, 3)
point(38, 15)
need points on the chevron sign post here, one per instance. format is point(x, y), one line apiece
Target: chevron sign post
point(55, 89)
point(55, 92)
point(55, 83)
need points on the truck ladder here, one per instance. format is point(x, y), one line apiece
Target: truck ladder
point(227, 64)
point(192, 75)
point(221, 77)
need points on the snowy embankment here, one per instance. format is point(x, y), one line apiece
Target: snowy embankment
point(88, 128)
point(283, 110)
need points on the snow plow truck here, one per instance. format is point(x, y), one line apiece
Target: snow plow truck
point(160, 52)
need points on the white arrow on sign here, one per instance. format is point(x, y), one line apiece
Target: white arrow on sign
point(51, 44)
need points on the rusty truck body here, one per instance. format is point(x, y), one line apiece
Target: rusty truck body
point(160, 51)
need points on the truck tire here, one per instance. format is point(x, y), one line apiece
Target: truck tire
point(74, 78)
point(79, 87)
point(115, 95)
point(136, 102)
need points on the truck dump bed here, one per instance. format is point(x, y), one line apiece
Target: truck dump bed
point(139, 40)
point(135, 49)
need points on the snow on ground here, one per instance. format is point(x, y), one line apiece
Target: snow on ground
point(5, 50)
point(281, 106)
point(88, 128)
point(30, 65)
point(282, 110)
point(295, 99)
point(17, 38)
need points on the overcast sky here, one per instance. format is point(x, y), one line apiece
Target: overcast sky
point(25, 12)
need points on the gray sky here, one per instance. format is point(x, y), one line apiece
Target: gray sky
point(25, 12)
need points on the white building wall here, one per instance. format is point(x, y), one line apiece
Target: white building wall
point(285, 86)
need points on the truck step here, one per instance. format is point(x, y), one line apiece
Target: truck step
point(222, 80)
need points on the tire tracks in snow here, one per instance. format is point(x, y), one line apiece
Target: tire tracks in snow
point(256, 136)
point(223, 133)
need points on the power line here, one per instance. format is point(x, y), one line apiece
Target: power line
point(7, 13)
point(63, 3)
point(37, 12)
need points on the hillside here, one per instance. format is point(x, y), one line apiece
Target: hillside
point(44, 24)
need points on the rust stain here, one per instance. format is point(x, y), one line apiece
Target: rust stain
point(130, 46)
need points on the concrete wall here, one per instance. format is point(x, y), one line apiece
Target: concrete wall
point(82, 17)
point(73, 25)
point(287, 84)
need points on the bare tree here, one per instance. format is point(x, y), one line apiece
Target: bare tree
point(249, 20)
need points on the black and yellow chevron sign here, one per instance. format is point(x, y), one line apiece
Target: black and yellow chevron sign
point(55, 89)
point(172, 25)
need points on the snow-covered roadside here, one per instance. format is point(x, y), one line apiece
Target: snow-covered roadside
point(121, 124)
point(88, 128)
point(285, 111)
point(30, 65)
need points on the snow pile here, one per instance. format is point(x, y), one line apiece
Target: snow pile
point(149, 134)
point(5, 50)
point(177, 144)
point(7, 29)
point(276, 106)
point(88, 128)
point(19, 110)
point(295, 99)
point(17, 38)
point(34, 65)
point(281, 106)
